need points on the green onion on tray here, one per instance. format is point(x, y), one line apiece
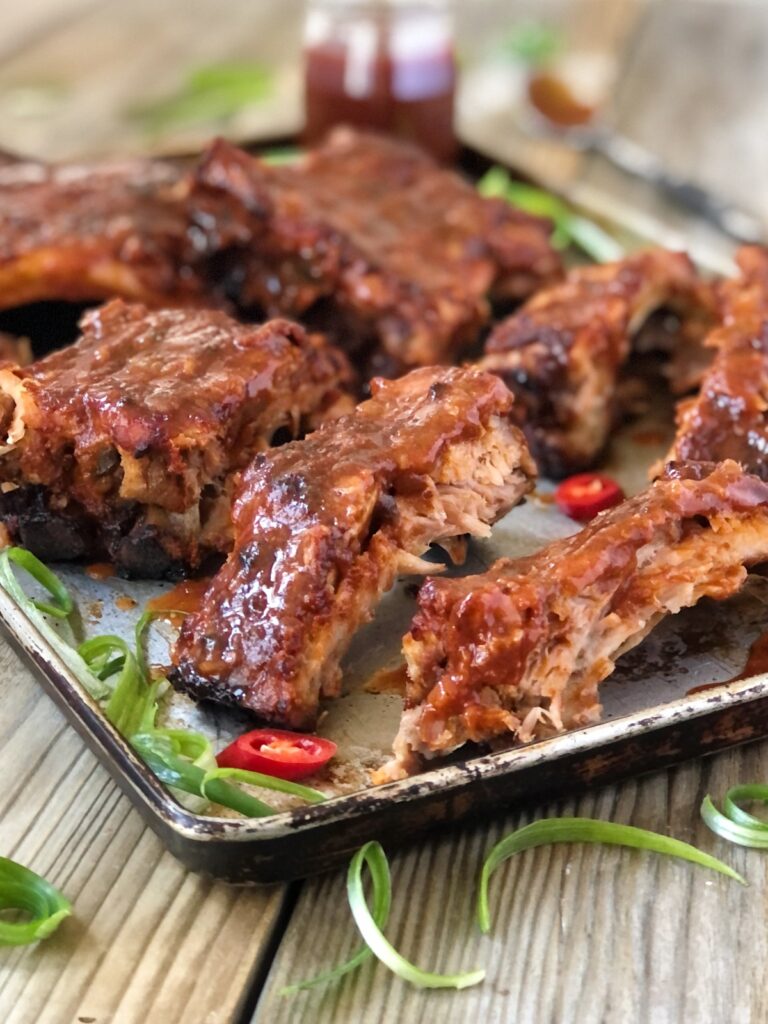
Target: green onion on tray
point(570, 228)
point(118, 677)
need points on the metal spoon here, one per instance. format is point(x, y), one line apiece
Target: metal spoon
point(637, 161)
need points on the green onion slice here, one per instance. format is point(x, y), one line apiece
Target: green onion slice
point(93, 685)
point(312, 796)
point(370, 923)
point(280, 155)
point(569, 228)
point(214, 93)
point(163, 751)
point(586, 830)
point(62, 600)
point(22, 889)
point(533, 43)
point(373, 857)
point(733, 822)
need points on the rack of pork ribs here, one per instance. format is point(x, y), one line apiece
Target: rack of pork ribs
point(85, 233)
point(170, 433)
point(563, 352)
point(365, 238)
point(369, 240)
point(125, 444)
point(728, 418)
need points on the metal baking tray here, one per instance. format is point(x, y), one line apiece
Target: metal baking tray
point(649, 719)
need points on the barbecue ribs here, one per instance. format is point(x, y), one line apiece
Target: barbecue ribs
point(367, 238)
point(519, 651)
point(728, 419)
point(124, 444)
point(323, 527)
point(562, 353)
point(83, 233)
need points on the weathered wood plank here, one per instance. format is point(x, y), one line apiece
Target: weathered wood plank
point(581, 934)
point(70, 95)
point(693, 91)
point(148, 941)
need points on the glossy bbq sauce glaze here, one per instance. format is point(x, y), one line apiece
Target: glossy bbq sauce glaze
point(388, 67)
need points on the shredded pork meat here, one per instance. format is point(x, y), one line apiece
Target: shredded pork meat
point(519, 651)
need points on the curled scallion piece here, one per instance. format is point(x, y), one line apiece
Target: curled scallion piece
point(37, 611)
point(586, 830)
point(370, 923)
point(733, 822)
point(22, 889)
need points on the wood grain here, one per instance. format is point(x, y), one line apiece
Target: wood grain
point(581, 933)
point(148, 942)
point(587, 935)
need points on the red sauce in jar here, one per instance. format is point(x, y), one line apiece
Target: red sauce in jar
point(373, 72)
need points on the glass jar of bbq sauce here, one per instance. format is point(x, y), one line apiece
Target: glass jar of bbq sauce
point(389, 66)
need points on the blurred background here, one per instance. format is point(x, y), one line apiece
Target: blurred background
point(685, 79)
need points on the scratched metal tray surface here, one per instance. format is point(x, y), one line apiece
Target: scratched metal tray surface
point(650, 720)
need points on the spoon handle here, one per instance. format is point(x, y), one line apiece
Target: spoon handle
point(633, 159)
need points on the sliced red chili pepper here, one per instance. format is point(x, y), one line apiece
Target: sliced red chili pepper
point(286, 755)
point(582, 496)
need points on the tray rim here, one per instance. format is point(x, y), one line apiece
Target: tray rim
point(441, 779)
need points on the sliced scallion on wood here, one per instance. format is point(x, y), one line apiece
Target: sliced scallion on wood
point(370, 923)
point(586, 830)
point(23, 890)
point(733, 822)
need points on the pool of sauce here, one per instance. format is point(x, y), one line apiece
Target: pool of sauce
point(100, 571)
point(184, 598)
point(757, 663)
point(388, 680)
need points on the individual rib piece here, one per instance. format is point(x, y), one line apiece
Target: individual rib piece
point(519, 651)
point(323, 526)
point(370, 238)
point(123, 445)
point(84, 233)
point(728, 419)
point(562, 353)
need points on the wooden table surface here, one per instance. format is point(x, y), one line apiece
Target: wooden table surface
point(582, 934)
